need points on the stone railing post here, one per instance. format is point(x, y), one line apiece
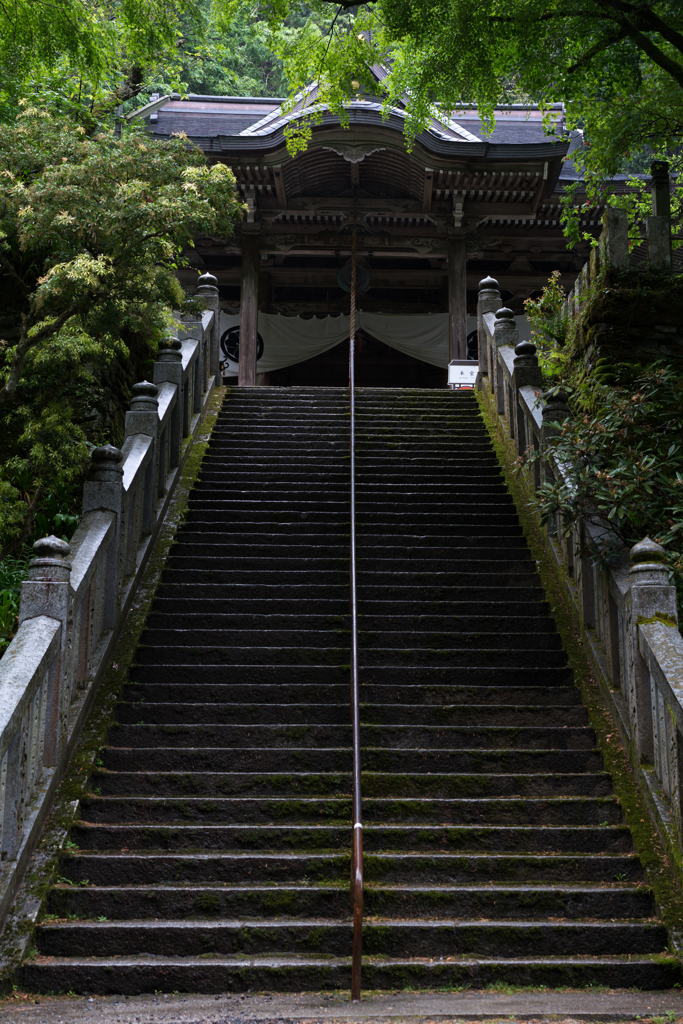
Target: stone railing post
point(658, 234)
point(207, 291)
point(651, 594)
point(169, 367)
point(103, 491)
point(658, 226)
point(660, 189)
point(143, 418)
point(614, 239)
point(526, 373)
point(47, 591)
point(556, 410)
point(504, 333)
point(489, 301)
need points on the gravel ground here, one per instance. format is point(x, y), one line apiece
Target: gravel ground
point(560, 1007)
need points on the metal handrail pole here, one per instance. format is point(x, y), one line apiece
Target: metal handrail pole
point(357, 849)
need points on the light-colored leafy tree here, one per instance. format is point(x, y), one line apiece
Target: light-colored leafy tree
point(92, 231)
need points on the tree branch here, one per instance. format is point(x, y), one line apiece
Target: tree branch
point(15, 544)
point(656, 55)
point(596, 48)
point(25, 345)
point(646, 17)
point(13, 274)
point(551, 15)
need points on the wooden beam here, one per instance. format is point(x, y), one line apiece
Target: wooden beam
point(427, 195)
point(501, 209)
point(280, 187)
point(251, 257)
point(457, 298)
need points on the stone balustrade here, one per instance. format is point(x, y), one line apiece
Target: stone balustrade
point(77, 596)
point(626, 612)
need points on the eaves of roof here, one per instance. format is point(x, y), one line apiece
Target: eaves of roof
point(430, 140)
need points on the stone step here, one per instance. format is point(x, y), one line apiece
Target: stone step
point(215, 620)
point(373, 582)
point(102, 868)
point(488, 811)
point(514, 715)
point(407, 737)
point(510, 559)
point(533, 607)
point(339, 529)
point(386, 937)
point(151, 688)
point(168, 902)
point(478, 675)
point(132, 975)
point(334, 784)
point(534, 657)
point(338, 759)
point(324, 639)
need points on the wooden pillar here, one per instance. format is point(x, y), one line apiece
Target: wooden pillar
point(457, 298)
point(249, 310)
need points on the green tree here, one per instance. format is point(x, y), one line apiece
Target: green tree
point(82, 55)
point(236, 59)
point(92, 232)
point(616, 64)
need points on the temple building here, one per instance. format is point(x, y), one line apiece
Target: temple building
point(430, 223)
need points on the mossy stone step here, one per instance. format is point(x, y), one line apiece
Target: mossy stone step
point(270, 810)
point(387, 937)
point(168, 902)
point(132, 975)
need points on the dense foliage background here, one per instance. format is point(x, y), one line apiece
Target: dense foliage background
point(622, 448)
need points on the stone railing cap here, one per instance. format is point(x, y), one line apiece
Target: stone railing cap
point(488, 282)
point(504, 313)
point(525, 348)
point(145, 389)
point(107, 453)
point(647, 550)
point(556, 397)
point(52, 547)
point(207, 280)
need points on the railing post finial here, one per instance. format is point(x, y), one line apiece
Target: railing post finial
point(526, 369)
point(648, 563)
point(50, 562)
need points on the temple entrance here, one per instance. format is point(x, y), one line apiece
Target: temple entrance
point(426, 226)
point(377, 366)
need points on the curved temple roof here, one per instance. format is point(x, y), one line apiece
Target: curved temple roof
point(502, 191)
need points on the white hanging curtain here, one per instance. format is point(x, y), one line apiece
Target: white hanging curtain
point(286, 340)
point(423, 336)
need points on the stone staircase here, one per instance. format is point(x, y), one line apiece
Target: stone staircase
point(215, 853)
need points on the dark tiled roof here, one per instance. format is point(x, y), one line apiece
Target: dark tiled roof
point(210, 117)
point(508, 131)
point(230, 122)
